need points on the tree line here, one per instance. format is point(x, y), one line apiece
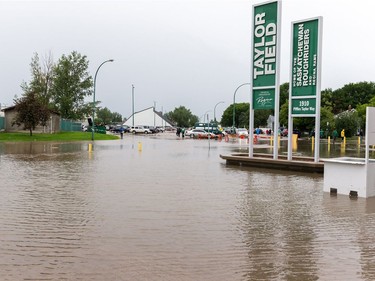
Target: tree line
point(344, 108)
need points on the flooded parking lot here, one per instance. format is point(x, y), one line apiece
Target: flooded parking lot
point(163, 208)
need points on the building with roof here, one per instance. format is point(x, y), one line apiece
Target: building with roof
point(148, 117)
point(53, 125)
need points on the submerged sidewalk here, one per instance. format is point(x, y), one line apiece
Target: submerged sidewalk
point(299, 163)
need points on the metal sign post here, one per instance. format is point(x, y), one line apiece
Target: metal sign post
point(305, 76)
point(265, 65)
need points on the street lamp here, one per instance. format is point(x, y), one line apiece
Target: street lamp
point(215, 110)
point(208, 121)
point(234, 102)
point(154, 114)
point(133, 105)
point(94, 107)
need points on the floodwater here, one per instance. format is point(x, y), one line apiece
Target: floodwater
point(161, 208)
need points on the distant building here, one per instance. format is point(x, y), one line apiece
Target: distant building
point(148, 117)
point(53, 125)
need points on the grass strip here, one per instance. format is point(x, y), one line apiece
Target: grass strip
point(61, 136)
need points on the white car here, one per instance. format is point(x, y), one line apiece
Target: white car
point(199, 133)
point(139, 130)
point(242, 132)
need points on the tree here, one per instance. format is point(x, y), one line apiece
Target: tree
point(326, 99)
point(182, 117)
point(71, 84)
point(349, 121)
point(103, 116)
point(241, 115)
point(116, 117)
point(31, 112)
point(361, 110)
point(41, 78)
point(352, 95)
point(283, 113)
point(261, 117)
point(284, 93)
point(327, 120)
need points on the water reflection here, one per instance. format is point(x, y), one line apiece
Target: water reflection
point(173, 211)
point(277, 224)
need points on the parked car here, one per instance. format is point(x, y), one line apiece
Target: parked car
point(188, 132)
point(284, 133)
point(160, 129)
point(119, 128)
point(258, 131)
point(217, 132)
point(199, 133)
point(139, 130)
point(230, 130)
point(153, 129)
point(242, 132)
point(297, 132)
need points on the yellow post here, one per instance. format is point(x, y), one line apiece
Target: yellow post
point(344, 140)
point(295, 138)
point(359, 140)
point(329, 144)
point(278, 140)
point(312, 143)
point(342, 150)
point(139, 146)
point(90, 147)
point(294, 142)
point(271, 141)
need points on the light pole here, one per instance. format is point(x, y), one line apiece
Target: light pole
point(94, 107)
point(162, 117)
point(133, 105)
point(215, 110)
point(208, 121)
point(234, 103)
point(154, 113)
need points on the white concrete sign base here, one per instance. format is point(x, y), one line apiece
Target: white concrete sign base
point(349, 176)
point(353, 176)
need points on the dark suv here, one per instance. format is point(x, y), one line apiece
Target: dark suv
point(153, 129)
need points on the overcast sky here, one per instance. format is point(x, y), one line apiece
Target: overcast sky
point(176, 52)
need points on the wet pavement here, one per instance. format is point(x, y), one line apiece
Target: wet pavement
point(163, 208)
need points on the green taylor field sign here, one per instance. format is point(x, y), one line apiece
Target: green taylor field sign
point(305, 36)
point(264, 50)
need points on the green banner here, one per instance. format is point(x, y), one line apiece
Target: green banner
point(304, 58)
point(264, 99)
point(264, 45)
point(304, 106)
